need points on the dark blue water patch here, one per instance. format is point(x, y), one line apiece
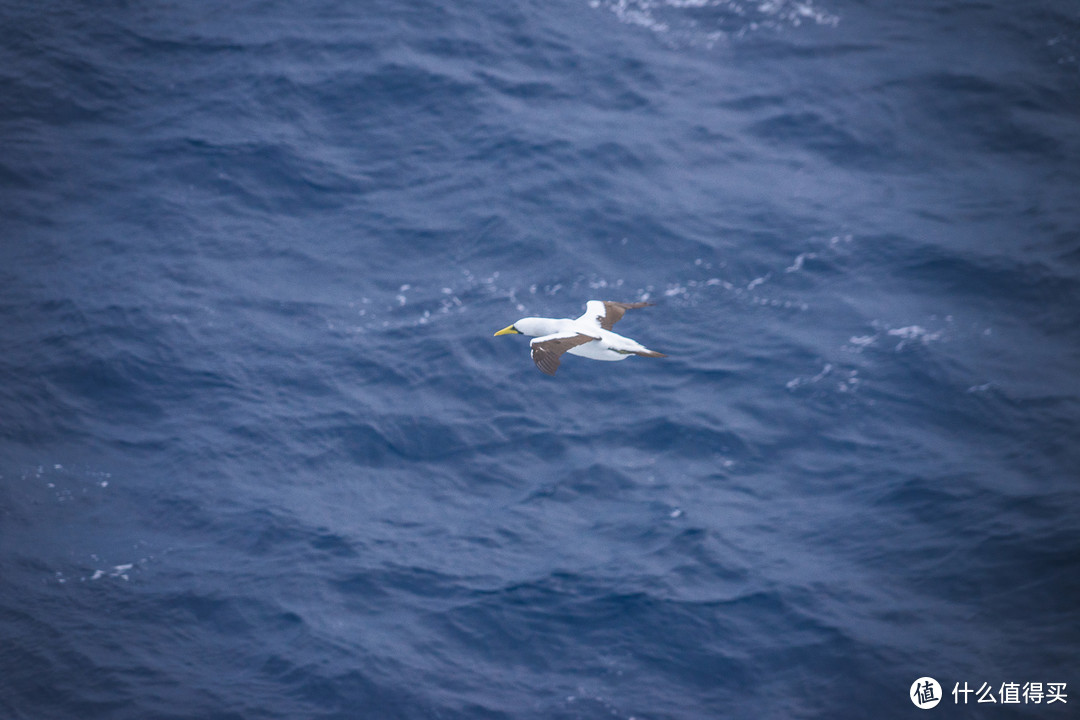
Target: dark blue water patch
point(834, 142)
point(973, 111)
point(104, 681)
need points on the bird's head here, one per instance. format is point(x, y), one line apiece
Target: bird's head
point(531, 326)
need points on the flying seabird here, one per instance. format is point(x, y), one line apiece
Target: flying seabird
point(588, 336)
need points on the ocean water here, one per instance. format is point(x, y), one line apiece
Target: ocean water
point(261, 457)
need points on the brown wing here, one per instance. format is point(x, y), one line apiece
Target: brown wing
point(615, 310)
point(547, 353)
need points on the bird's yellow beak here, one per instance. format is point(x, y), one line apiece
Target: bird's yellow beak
point(509, 331)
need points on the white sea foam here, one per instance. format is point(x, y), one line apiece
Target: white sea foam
point(908, 334)
point(707, 22)
point(799, 260)
point(848, 381)
point(758, 281)
point(121, 571)
point(800, 381)
point(913, 333)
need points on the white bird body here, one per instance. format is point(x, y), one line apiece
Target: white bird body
point(588, 336)
point(606, 346)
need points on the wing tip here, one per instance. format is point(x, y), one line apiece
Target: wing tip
point(546, 362)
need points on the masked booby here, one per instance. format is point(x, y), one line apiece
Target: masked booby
point(588, 336)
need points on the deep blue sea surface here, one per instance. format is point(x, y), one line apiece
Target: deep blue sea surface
point(261, 457)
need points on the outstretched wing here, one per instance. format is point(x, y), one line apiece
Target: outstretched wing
point(606, 313)
point(547, 350)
